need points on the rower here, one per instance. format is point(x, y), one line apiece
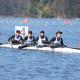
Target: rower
point(42, 39)
point(57, 41)
point(28, 40)
point(15, 39)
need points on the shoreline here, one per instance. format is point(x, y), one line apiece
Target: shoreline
point(35, 17)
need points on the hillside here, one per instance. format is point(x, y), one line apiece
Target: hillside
point(40, 8)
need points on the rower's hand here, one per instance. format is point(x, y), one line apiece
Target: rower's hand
point(9, 42)
point(49, 45)
point(43, 41)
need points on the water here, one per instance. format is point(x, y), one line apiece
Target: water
point(36, 65)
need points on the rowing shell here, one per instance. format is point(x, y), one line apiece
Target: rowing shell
point(62, 50)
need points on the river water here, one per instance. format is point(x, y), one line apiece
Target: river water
point(36, 65)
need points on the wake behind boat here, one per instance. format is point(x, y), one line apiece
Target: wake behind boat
point(61, 49)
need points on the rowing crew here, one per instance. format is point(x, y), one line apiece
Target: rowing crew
point(41, 40)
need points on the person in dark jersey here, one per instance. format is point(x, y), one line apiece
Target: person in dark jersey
point(28, 40)
point(15, 39)
point(42, 40)
point(57, 41)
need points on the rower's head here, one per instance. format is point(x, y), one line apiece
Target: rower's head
point(42, 34)
point(18, 32)
point(58, 34)
point(30, 33)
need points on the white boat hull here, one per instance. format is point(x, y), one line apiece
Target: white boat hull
point(62, 50)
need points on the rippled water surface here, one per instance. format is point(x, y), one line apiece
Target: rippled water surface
point(35, 65)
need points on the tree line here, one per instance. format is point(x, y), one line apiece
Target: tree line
point(40, 8)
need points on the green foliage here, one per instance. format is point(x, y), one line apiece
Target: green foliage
point(39, 8)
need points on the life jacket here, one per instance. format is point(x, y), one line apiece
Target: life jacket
point(40, 41)
point(29, 40)
point(57, 42)
point(17, 38)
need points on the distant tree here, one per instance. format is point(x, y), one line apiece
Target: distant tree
point(40, 8)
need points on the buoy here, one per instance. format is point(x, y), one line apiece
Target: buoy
point(67, 22)
point(77, 18)
point(25, 21)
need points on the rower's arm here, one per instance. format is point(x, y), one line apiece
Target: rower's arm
point(62, 42)
point(25, 38)
point(37, 39)
point(46, 41)
point(34, 40)
point(52, 40)
point(12, 37)
point(22, 40)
